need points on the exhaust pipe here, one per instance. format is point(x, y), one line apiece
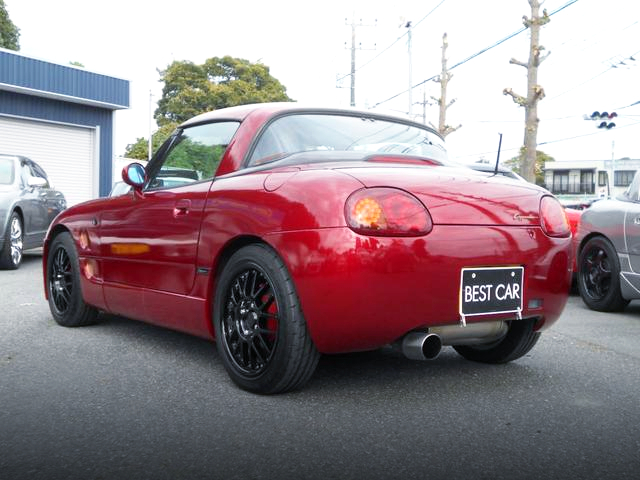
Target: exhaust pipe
point(426, 344)
point(421, 345)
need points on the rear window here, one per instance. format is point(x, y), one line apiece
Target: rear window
point(343, 133)
point(7, 171)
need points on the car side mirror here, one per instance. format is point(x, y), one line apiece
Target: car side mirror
point(134, 175)
point(36, 182)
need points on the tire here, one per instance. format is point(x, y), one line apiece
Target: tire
point(63, 285)
point(11, 254)
point(518, 341)
point(599, 276)
point(261, 334)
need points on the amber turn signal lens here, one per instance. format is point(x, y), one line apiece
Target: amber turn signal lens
point(367, 211)
point(387, 212)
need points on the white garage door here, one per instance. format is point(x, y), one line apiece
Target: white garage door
point(67, 153)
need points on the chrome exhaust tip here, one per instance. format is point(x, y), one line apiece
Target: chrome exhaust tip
point(421, 345)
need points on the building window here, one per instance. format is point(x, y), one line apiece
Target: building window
point(602, 179)
point(561, 181)
point(586, 182)
point(623, 178)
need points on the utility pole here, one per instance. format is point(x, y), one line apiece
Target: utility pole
point(353, 63)
point(354, 47)
point(150, 146)
point(408, 27)
point(443, 80)
point(535, 92)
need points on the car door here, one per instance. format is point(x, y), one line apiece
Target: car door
point(53, 200)
point(632, 228)
point(149, 239)
point(32, 201)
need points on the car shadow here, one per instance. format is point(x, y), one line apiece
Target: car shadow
point(385, 371)
point(31, 256)
point(173, 341)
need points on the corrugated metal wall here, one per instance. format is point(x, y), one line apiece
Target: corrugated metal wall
point(66, 153)
point(26, 106)
point(32, 88)
point(31, 73)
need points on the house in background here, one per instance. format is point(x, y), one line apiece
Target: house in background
point(589, 179)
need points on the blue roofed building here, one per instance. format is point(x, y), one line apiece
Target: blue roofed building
point(61, 117)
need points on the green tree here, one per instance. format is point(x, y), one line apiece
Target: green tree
point(9, 33)
point(516, 163)
point(220, 82)
point(140, 148)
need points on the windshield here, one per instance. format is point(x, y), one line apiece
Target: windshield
point(632, 193)
point(334, 132)
point(7, 171)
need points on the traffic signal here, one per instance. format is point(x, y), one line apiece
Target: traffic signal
point(603, 117)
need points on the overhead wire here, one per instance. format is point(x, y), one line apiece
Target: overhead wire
point(558, 140)
point(392, 43)
point(475, 55)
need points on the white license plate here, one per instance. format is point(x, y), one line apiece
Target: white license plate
point(491, 290)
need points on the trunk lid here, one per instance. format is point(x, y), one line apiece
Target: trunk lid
point(455, 196)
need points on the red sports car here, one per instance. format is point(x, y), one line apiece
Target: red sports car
point(285, 232)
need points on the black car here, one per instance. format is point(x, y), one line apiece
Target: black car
point(28, 204)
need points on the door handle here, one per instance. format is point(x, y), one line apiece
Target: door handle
point(181, 208)
point(636, 220)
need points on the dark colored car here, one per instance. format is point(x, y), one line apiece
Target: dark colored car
point(491, 169)
point(307, 231)
point(28, 204)
point(608, 251)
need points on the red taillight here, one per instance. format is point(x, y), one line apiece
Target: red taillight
point(553, 218)
point(387, 212)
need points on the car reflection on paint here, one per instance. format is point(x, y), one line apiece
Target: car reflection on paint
point(291, 232)
point(121, 188)
point(28, 204)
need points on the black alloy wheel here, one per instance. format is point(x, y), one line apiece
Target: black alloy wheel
point(60, 281)
point(261, 334)
point(63, 285)
point(250, 322)
point(599, 276)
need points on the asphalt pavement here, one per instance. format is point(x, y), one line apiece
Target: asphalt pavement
point(126, 400)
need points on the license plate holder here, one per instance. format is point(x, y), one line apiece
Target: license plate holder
point(491, 290)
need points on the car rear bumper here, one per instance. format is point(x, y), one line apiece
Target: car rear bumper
point(360, 293)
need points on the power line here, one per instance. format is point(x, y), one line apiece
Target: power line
point(392, 43)
point(631, 105)
point(548, 142)
point(475, 55)
point(631, 57)
point(425, 17)
point(585, 135)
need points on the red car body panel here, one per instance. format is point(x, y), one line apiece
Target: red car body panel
point(155, 256)
point(360, 292)
point(573, 216)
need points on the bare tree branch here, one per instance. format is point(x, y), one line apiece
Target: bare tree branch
point(543, 58)
point(519, 99)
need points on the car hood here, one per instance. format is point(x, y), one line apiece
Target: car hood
point(456, 196)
